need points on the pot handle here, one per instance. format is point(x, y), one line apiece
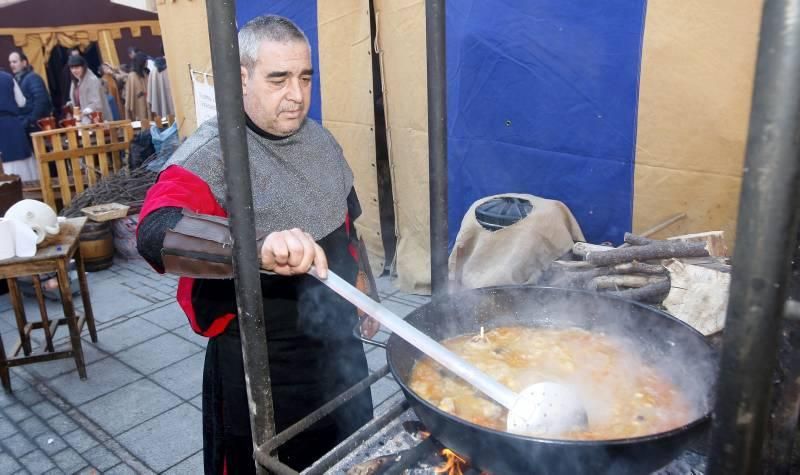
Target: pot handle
point(358, 335)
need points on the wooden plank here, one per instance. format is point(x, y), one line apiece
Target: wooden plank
point(63, 183)
point(40, 150)
point(94, 149)
point(113, 156)
point(102, 154)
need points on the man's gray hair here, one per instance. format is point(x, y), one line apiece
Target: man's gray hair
point(266, 27)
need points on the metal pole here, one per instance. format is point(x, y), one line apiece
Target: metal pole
point(239, 203)
point(437, 141)
point(765, 239)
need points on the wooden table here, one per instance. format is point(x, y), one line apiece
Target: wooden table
point(53, 255)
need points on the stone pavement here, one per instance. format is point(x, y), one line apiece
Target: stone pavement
point(139, 409)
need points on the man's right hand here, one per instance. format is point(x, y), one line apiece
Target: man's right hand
point(292, 252)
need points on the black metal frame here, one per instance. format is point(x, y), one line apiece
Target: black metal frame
point(767, 220)
point(764, 243)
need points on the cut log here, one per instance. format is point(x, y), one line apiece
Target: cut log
point(635, 240)
point(698, 296)
point(583, 248)
point(572, 266)
point(714, 241)
point(653, 293)
point(628, 280)
point(638, 268)
point(652, 251)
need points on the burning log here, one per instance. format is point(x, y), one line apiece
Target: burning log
point(453, 465)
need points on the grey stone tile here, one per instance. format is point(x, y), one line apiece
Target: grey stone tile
point(191, 466)
point(50, 442)
point(120, 469)
point(126, 334)
point(29, 397)
point(17, 412)
point(88, 470)
point(376, 359)
point(181, 426)
point(401, 309)
point(7, 399)
point(168, 317)
point(62, 424)
point(7, 427)
point(101, 458)
point(186, 332)
point(80, 440)
point(184, 378)
point(51, 369)
point(129, 406)
point(69, 460)
point(33, 426)
point(8, 464)
point(18, 445)
point(37, 462)
point(45, 410)
point(103, 377)
point(197, 402)
point(385, 286)
point(115, 303)
point(158, 353)
point(383, 389)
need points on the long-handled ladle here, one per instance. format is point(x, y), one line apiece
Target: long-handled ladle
point(546, 408)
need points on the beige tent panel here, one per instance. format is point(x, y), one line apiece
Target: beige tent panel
point(698, 64)
point(401, 39)
point(710, 201)
point(184, 33)
point(345, 61)
point(412, 211)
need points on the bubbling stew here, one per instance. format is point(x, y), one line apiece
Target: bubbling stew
point(623, 396)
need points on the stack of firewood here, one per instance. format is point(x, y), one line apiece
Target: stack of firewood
point(636, 270)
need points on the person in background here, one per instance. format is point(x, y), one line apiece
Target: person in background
point(87, 91)
point(66, 76)
point(136, 90)
point(15, 150)
point(37, 98)
point(110, 83)
point(305, 206)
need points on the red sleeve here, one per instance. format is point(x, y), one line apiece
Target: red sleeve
point(180, 188)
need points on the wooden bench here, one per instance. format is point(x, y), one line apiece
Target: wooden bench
point(75, 158)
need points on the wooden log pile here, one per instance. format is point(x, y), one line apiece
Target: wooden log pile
point(127, 187)
point(633, 270)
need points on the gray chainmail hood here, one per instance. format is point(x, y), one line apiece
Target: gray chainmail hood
point(301, 181)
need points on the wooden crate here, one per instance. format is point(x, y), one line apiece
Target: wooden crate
point(80, 155)
point(106, 212)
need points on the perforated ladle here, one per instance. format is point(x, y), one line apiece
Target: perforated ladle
point(546, 408)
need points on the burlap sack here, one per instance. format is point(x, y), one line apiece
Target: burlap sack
point(516, 254)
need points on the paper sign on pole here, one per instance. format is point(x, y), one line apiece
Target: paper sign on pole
point(205, 105)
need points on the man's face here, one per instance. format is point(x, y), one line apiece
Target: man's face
point(16, 63)
point(77, 71)
point(277, 91)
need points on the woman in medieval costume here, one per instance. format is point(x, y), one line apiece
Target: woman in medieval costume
point(136, 107)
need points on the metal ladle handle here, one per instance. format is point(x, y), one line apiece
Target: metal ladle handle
point(421, 341)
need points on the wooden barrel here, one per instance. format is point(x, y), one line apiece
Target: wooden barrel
point(97, 245)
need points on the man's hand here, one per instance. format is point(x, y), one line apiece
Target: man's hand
point(293, 252)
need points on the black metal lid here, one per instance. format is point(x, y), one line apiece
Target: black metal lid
point(503, 211)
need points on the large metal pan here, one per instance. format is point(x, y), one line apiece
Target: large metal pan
point(675, 347)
